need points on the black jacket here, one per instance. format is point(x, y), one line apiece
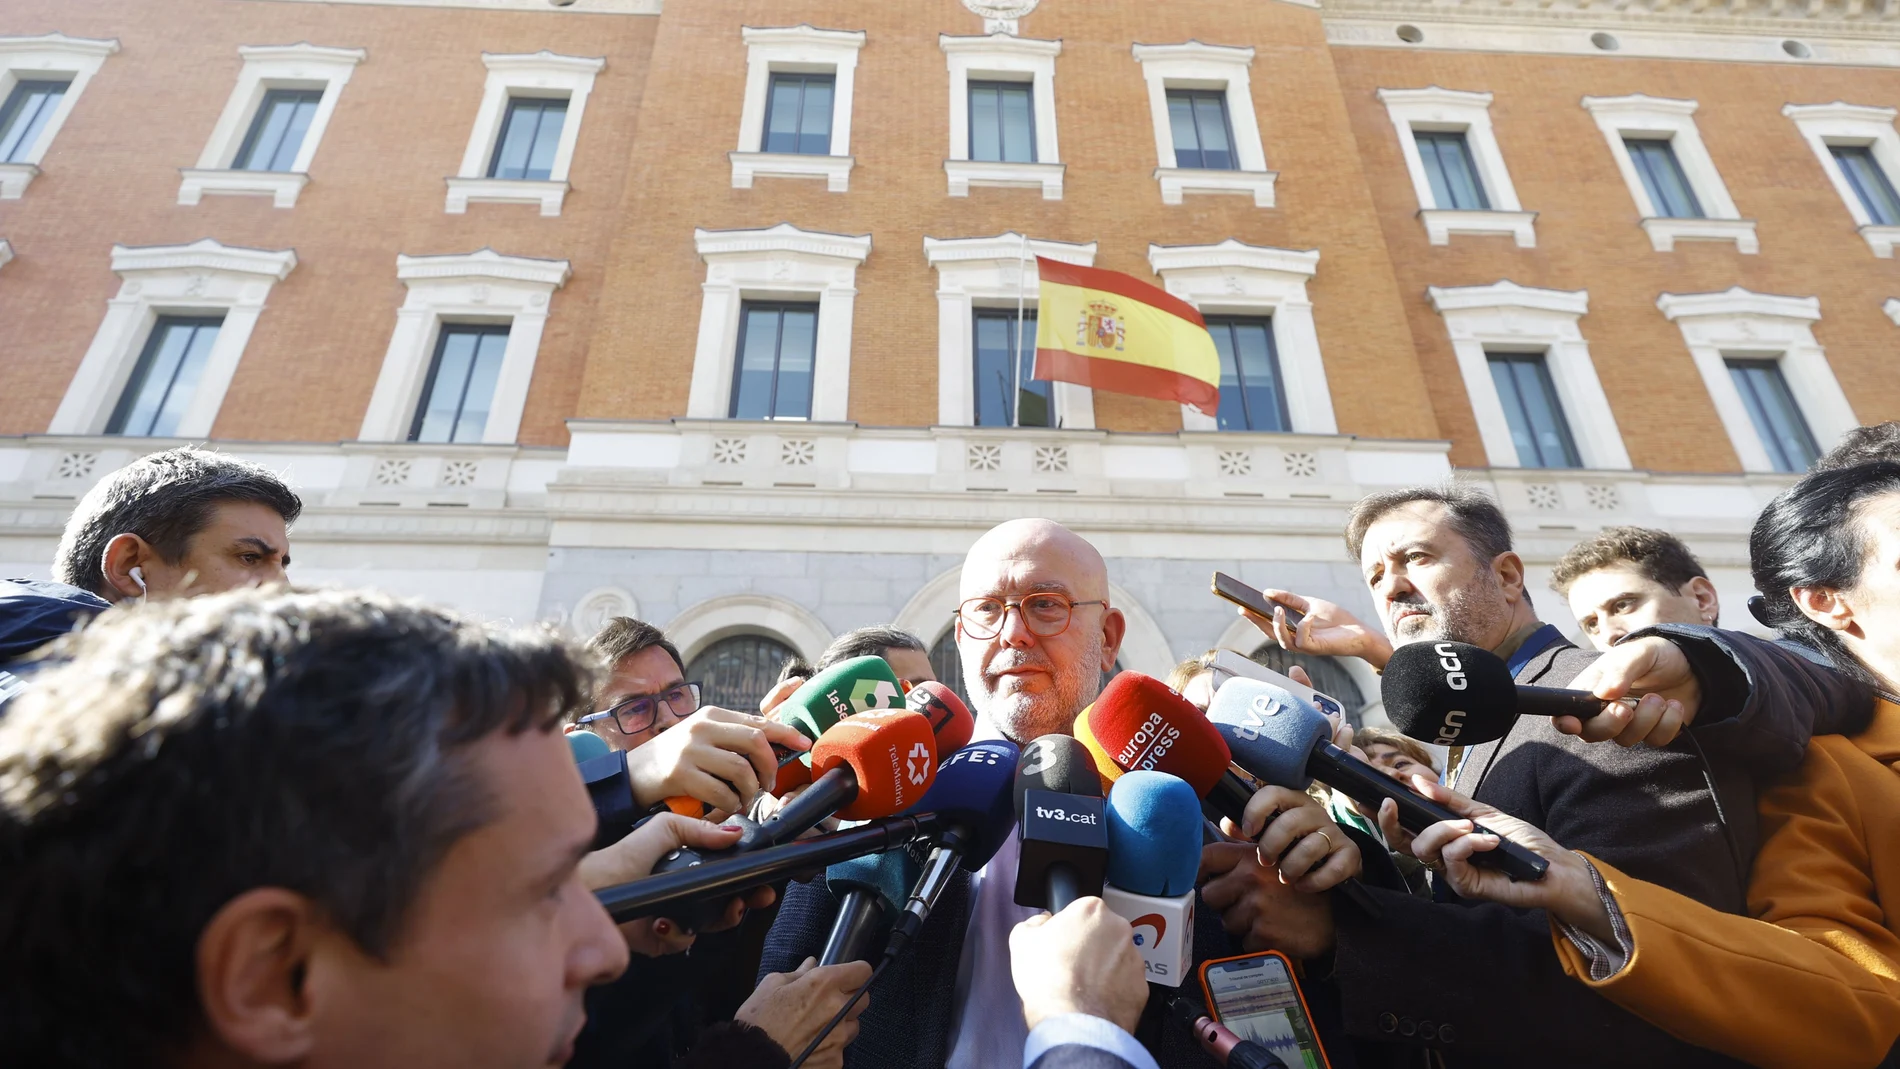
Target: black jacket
point(34, 612)
point(1480, 981)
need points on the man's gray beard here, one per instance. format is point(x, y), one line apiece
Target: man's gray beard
point(1052, 714)
point(1466, 616)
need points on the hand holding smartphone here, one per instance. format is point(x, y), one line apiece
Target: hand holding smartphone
point(1226, 586)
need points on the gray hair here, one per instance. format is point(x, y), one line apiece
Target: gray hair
point(1475, 517)
point(869, 642)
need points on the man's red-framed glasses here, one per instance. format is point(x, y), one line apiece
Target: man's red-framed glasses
point(1045, 615)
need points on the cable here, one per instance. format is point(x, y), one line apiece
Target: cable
point(1721, 818)
point(838, 1017)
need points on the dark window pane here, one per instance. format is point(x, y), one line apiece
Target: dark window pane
point(778, 345)
point(995, 364)
point(1252, 397)
point(948, 665)
point(461, 384)
point(1870, 183)
point(1772, 409)
point(736, 672)
point(1451, 170)
point(1202, 139)
point(1662, 175)
point(1002, 122)
point(798, 114)
point(530, 133)
point(165, 377)
point(278, 131)
point(1187, 142)
point(1328, 676)
point(1538, 428)
point(24, 115)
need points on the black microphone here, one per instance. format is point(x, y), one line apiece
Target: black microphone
point(1061, 832)
point(1455, 694)
point(1279, 737)
point(971, 802)
point(872, 891)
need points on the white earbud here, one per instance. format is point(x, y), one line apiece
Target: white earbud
point(138, 576)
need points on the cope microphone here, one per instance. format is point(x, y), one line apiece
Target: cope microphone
point(972, 805)
point(1140, 724)
point(1060, 830)
point(948, 716)
point(872, 891)
point(1285, 741)
point(1454, 694)
point(1154, 854)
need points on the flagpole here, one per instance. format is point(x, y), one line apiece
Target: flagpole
point(1022, 290)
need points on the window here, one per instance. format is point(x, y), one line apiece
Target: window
point(1251, 397)
point(1455, 182)
point(278, 131)
point(165, 377)
point(798, 116)
point(947, 664)
point(778, 345)
point(1203, 137)
point(1772, 409)
point(734, 673)
point(461, 386)
point(1668, 188)
point(25, 114)
point(1868, 182)
point(529, 135)
point(1002, 123)
point(997, 362)
point(1538, 428)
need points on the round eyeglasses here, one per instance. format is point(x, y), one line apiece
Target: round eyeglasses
point(638, 714)
point(1045, 615)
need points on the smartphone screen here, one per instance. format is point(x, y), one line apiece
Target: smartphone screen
point(1256, 998)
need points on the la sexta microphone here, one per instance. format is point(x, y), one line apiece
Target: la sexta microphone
point(871, 892)
point(1284, 741)
point(846, 689)
point(1454, 694)
point(1138, 723)
point(1062, 839)
point(971, 802)
point(948, 716)
point(1154, 854)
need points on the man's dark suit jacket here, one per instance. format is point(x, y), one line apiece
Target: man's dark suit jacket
point(1480, 982)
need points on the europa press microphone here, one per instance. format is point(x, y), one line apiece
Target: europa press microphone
point(1138, 723)
point(1454, 694)
point(1281, 739)
point(1061, 835)
point(1154, 854)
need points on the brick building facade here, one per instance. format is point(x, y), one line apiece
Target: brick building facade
point(1663, 222)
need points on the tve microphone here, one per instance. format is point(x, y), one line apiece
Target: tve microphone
point(948, 716)
point(1154, 854)
point(871, 891)
point(1138, 723)
point(847, 688)
point(1453, 694)
point(971, 801)
point(1060, 829)
point(1284, 741)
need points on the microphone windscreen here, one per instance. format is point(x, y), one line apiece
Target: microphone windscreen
point(791, 774)
point(948, 716)
point(1449, 693)
point(891, 751)
point(973, 789)
point(889, 875)
point(1141, 724)
point(1105, 765)
point(1056, 763)
point(1270, 730)
point(847, 688)
point(586, 746)
point(1154, 834)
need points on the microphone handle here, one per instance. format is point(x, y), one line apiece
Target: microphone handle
point(1065, 886)
point(1231, 1050)
point(938, 868)
point(1361, 782)
point(1229, 796)
point(730, 876)
point(851, 934)
point(827, 794)
point(1557, 701)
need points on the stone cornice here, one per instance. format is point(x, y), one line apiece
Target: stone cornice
point(6, 251)
point(999, 43)
point(1435, 95)
point(1197, 51)
point(304, 51)
point(204, 255)
point(783, 238)
point(1848, 18)
point(1638, 104)
point(1738, 301)
point(543, 60)
point(1508, 294)
point(59, 42)
point(1234, 254)
point(1005, 246)
point(1838, 111)
point(802, 34)
point(484, 263)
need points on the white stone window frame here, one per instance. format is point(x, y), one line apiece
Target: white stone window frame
point(779, 263)
point(1434, 109)
point(1891, 307)
point(1223, 68)
point(203, 278)
point(267, 67)
point(1505, 317)
point(481, 287)
point(1840, 123)
point(1760, 326)
point(1232, 278)
point(6, 252)
point(53, 55)
point(537, 74)
point(1005, 58)
point(994, 273)
point(1661, 119)
point(797, 49)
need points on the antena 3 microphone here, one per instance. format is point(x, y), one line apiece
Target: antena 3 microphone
point(847, 688)
point(1060, 826)
point(1454, 694)
point(1281, 739)
point(948, 716)
point(1154, 854)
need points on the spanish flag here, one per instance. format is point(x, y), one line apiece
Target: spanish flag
point(1117, 333)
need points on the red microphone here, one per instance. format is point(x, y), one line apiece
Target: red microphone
point(1138, 723)
point(949, 718)
point(888, 756)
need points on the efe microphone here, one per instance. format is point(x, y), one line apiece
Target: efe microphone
point(1061, 834)
point(1454, 694)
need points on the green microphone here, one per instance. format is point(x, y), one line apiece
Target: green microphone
point(847, 688)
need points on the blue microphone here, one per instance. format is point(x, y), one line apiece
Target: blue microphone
point(1154, 854)
point(872, 891)
point(585, 745)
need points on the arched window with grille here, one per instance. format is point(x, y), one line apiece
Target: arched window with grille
point(734, 673)
point(1328, 675)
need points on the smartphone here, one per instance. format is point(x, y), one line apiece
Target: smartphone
point(1256, 997)
point(1226, 586)
point(1228, 664)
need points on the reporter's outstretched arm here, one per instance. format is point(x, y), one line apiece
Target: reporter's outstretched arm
point(1083, 986)
point(633, 858)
